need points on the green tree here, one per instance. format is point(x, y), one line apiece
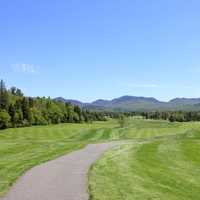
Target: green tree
point(12, 113)
point(18, 118)
point(4, 119)
point(4, 97)
point(38, 119)
point(26, 110)
point(172, 118)
point(19, 92)
point(23, 111)
point(78, 112)
point(13, 90)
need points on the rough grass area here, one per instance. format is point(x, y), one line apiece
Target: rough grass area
point(23, 148)
point(158, 169)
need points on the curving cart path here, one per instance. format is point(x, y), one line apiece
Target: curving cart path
point(64, 178)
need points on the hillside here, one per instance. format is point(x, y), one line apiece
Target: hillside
point(133, 103)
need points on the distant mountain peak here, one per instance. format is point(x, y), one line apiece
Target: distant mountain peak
point(184, 100)
point(100, 102)
point(134, 98)
point(135, 103)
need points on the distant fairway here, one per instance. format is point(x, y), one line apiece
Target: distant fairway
point(23, 148)
point(163, 169)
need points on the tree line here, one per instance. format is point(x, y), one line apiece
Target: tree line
point(173, 116)
point(17, 110)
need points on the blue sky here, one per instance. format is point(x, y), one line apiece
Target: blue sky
point(101, 48)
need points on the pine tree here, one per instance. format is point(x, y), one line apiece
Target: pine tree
point(26, 110)
point(4, 97)
point(12, 113)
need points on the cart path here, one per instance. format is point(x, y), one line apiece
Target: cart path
point(64, 178)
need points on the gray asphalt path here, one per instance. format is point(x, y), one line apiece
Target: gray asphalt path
point(62, 179)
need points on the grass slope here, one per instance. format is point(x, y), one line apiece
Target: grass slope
point(23, 148)
point(163, 169)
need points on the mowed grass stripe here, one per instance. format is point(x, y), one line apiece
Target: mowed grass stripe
point(159, 169)
point(23, 148)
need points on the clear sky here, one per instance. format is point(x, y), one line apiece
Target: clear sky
point(90, 49)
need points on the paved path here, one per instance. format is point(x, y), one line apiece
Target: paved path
point(62, 179)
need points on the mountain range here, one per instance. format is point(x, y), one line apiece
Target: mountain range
point(134, 103)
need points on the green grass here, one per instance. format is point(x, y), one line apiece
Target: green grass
point(155, 169)
point(23, 148)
